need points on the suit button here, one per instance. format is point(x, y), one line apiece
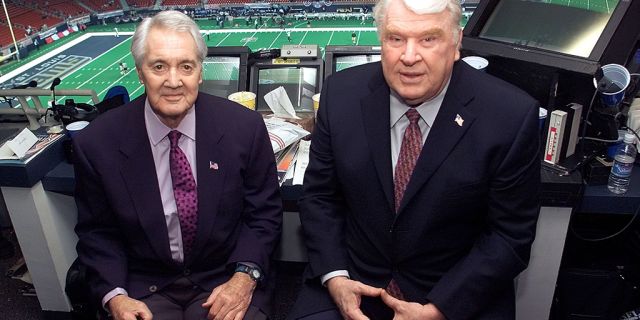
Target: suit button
point(186, 272)
point(153, 288)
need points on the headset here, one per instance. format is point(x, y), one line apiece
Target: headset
point(71, 111)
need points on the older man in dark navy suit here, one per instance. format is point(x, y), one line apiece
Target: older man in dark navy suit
point(178, 202)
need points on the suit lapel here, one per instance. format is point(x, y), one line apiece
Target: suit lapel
point(211, 172)
point(445, 132)
point(375, 115)
point(138, 162)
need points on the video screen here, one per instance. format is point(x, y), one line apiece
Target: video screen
point(300, 83)
point(345, 62)
point(569, 27)
point(220, 75)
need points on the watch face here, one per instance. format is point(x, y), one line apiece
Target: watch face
point(255, 274)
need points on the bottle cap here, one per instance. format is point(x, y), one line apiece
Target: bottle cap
point(629, 137)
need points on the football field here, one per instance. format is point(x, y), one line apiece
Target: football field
point(92, 60)
point(604, 6)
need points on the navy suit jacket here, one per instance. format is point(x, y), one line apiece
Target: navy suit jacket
point(465, 226)
point(123, 237)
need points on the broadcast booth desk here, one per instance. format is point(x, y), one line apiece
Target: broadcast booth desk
point(39, 197)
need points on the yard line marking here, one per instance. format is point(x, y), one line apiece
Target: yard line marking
point(249, 38)
point(274, 39)
point(305, 35)
point(136, 90)
point(112, 83)
point(330, 37)
point(225, 37)
point(97, 74)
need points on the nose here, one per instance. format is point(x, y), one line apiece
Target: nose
point(411, 54)
point(173, 79)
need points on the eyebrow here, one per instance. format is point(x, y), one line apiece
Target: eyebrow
point(429, 32)
point(161, 60)
point(434, 32)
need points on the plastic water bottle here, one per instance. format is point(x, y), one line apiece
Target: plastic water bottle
point(622, 165)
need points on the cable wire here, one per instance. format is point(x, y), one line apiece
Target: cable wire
point(623, 229)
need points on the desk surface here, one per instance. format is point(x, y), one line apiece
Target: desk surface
point(598, 199)
point(557, 191)
point(61, 180)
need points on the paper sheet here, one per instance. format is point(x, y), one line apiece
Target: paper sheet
point(279, 102)
point(302, 160)
point(283, 133)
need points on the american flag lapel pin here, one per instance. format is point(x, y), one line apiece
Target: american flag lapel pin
point(459, 120)
point(213, 165)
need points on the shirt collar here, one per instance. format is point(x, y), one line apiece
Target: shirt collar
point(158, 130)
point(428, 110)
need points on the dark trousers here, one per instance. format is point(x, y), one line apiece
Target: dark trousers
point(373, 308)
point(182, 300)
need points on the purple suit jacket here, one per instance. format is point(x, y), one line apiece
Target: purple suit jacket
point(123, 237)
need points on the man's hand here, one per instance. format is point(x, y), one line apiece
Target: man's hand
point(410, 310)
point(231, 299)
point(125, 308)
point(347, 295)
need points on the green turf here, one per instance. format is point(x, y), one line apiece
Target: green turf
point(603, 6)
point(102, 73)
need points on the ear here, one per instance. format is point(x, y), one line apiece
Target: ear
point(458, 45)
point(140, 75)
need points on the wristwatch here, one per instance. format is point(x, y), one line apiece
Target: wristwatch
point(254, 272)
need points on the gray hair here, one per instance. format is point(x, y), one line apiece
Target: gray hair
point(421, 7)
point(170, 20)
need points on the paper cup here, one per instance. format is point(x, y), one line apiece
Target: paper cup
point(618, 75)
point(245, 98)
point(478, 63)
point(316, 101)
point(74, 127)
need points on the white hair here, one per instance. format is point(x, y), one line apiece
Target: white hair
point(170, 20)
point(422, 7)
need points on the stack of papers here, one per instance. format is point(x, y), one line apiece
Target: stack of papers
point(291, 152)
point(24, 145)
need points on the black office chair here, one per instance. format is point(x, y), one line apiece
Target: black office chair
point(78, 292)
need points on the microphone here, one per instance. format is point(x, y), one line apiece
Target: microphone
point(55, 82)
point(31, 84)
point(605, 85)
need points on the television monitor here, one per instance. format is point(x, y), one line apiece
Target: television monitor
point(224, 70)
point(575, 36)
point(300, 78)
point(338, 58)
point(552, 49)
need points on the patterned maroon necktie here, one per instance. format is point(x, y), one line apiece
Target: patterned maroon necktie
point(184, 191)
point(409, 152)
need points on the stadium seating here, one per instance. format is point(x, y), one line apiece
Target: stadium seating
point(229, 1)
point(180, 2)
point(21, 17)
point(66, 8)
point(5, 35)
point(102, 5)
point(141, 3)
